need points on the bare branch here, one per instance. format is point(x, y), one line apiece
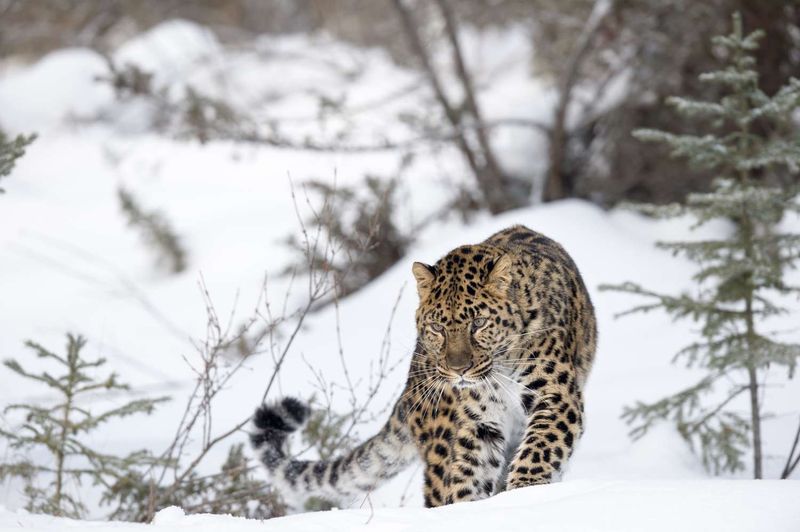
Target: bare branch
point(492, 179)
point(554, 185)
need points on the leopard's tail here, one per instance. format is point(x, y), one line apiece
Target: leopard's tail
point(341, 479)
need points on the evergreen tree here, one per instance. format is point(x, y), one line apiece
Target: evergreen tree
point(752, 146)
point(58, 429)
point(10, 151)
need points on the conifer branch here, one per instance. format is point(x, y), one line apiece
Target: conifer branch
point(10, 151)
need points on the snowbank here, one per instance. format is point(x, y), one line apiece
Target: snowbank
point(579, 506)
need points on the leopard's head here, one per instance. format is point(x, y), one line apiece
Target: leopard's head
point(467, 316)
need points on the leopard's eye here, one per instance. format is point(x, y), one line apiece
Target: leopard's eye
point(437, 327)
point(477, 323)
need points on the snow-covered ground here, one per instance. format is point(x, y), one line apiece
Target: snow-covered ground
point(68, 263)
point(612, 506)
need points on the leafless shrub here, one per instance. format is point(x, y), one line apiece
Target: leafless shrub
point(361, 228)
point(127, 80)
point(185, 113)
point(269, 331)
point(470, 133)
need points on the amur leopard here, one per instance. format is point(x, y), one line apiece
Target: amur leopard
point(494, 396)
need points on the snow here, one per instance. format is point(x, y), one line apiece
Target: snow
point(29, 102)
point(614, 506)
point(69, 263)
point(169, 49)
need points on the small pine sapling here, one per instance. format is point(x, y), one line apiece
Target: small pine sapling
point(60, 430)
point(753, 147)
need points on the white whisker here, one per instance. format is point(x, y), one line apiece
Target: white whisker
point(536, 331)
point(417, 387)
point(503, 387)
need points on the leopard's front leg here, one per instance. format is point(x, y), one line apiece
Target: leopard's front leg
point(554, 407)
point(478, 457)
point(462, 446)
point(434, 431)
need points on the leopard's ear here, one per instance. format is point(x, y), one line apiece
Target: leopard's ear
point(499, 279)
point(424, 276)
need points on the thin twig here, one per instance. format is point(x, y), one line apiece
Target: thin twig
point(791, 460)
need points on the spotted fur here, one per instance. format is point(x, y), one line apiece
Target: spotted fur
point(494, 396)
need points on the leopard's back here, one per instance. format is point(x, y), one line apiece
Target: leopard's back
point(549, 274)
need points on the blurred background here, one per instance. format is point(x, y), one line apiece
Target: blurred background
point(610, 72)
point(231, 193)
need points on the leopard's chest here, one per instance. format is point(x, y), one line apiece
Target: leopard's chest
point(488, 414)
point(491, 408)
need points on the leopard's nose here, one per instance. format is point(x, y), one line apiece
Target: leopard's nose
point(460, 367)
